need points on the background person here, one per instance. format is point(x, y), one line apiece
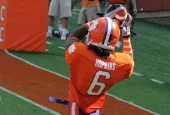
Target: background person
point(88, 11)
point(61, 9)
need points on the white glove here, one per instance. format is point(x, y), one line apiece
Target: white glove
point(126, 27)
point(128, 20)
point(126, 31)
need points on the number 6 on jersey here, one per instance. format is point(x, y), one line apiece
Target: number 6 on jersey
point(96, 83)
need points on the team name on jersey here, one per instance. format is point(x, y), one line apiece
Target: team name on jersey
point(105, 65)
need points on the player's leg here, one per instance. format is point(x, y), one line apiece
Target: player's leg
point(74, 109)
point(97, 112)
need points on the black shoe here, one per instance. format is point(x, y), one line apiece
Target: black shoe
point(56, 34)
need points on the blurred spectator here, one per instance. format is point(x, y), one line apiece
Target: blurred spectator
point(61, 9)
point(132, 9)
point(89, 9)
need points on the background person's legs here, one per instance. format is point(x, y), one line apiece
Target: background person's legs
point(53, 11)
point(64, 30)
point(91, 13)
point(130, 9)
point(50, 25)
point(82, 16)
point(65, 13)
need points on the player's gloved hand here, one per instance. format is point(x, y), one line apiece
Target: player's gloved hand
point(126, 28)
point(128, 20)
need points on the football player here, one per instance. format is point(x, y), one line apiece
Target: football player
point(94, 66)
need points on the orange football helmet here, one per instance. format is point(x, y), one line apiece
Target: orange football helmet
point(104, 33)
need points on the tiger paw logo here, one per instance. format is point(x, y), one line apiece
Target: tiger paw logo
point(94, 25)
point(71, 49)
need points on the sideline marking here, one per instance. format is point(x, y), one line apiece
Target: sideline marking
point(49, 43)
point(25, 99)
point(75, 13)
point(60, 47)
point(157, 81)
point(12, 55)
point(137, 74)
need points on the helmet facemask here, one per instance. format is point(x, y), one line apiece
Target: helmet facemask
point(118, 13)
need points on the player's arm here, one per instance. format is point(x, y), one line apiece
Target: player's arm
point(127, 47)
point(77, 35)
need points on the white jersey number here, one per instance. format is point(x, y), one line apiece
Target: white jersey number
point(96, 83)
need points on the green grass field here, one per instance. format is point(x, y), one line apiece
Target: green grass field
point(12, 105)
point(151, 52)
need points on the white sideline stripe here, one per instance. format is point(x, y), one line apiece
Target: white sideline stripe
point(68, 79)
point(157, 81)
point(25, 99)
point(60, 47)
point(75, 13)
point(49, 43)
point(137, 74)
point(75, 9)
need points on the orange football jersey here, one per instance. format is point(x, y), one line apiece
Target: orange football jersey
point(91, 76)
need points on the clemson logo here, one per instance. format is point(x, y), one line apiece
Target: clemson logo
point(94, 25)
